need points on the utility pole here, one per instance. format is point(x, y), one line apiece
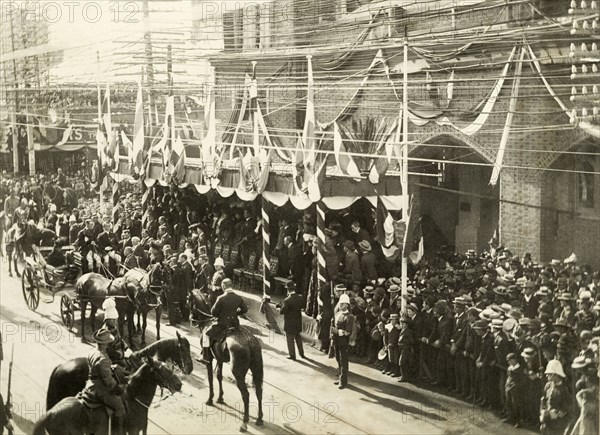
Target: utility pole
point(15, 130)
point(149, 61)
point(404, 181)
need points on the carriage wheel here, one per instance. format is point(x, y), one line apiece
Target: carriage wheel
point(67, 313)
point(31, 292)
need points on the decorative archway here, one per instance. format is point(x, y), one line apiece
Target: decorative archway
point(460, 207)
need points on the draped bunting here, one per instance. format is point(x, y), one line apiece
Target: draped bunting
point(353, 104)
point(509, 117)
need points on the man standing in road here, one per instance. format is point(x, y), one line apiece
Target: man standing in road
point(343, 325)
point(291, 309)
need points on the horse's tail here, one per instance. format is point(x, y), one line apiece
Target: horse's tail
point(256, 363)
point(53, 393)
point(40, 426)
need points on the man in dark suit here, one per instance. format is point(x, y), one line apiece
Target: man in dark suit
point(285, 230)
point(459, 336)
point(226, 310)
point(296, 262)
point(441, 341)
point(367, 262)
point(360, 234)
point(188, 283)
point(291, 309)
point(103, 239)
point(351, 270)
point(529, 301)
point(204, 274)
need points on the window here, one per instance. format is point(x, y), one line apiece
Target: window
point(238, 29)
point(251, 27)
point(228, 32)
point(266, 18)
point(585, 185)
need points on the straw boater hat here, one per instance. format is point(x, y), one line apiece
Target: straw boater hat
point(364, 245)
point(394, 289)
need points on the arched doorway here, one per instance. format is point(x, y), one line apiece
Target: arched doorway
point(459, 208)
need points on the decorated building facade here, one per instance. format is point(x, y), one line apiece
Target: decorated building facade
point(502, 100)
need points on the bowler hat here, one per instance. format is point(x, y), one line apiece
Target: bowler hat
point(349, 244)
point(480, 324)
point(379, 292)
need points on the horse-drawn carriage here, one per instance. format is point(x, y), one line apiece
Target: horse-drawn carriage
point(37, 275)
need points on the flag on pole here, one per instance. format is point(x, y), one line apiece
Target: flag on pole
point(66, 135)
point(138, 132)
point(345, 162)
point(390, 232)
point(385, 148)
point(308, 133)
point(418, 248)
point(177, 160)
point(209, 142)
point(102, 136)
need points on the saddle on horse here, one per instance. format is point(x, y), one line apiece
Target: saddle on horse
point(216, 334)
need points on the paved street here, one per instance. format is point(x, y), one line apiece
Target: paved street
point(299, 397)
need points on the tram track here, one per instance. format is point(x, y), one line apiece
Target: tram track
point(61, 358)
point(167, 333)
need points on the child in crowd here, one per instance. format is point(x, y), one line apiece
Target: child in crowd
point(515, 381)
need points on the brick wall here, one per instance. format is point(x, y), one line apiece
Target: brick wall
point(520, 211)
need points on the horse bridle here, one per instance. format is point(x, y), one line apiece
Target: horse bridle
point(162, 383)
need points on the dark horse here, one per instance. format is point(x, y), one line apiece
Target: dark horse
point(94, 288)
point(68, 378)
point(71, 417)
point(151, 299)
point(241, 349)
point(62, 197)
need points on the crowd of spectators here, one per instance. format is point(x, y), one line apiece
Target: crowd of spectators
point(501, 331)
